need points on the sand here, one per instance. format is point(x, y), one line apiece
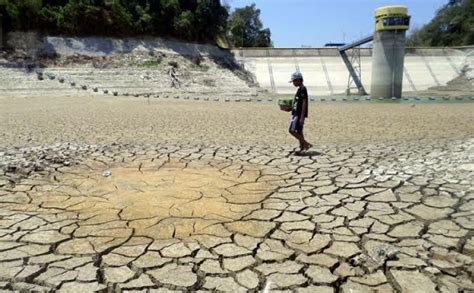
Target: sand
point(126, 120)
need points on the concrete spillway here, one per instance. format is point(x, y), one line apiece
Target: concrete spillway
point(323, 69)
point(325, 73)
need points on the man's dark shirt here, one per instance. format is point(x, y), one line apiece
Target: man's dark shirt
point(301, 95)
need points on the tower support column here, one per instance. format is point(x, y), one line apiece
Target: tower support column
point(388, 54)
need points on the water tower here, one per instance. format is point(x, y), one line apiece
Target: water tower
point(391, 24)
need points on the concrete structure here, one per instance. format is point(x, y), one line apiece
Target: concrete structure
point(387, 64)
point(323, 68)
point(325, 73)
point(388, 51)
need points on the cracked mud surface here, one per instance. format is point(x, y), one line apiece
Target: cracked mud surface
point(377, 216)
point(159, 199)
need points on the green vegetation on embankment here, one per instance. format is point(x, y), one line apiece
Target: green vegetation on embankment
point(190, 20)
point(453, 25)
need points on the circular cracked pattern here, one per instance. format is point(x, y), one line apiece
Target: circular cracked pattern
point(368, 218)
point(164, 199)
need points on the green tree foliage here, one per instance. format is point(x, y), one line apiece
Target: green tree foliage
point(195, 20)
point(21, 13)
point(246, 28)
point(185, 23)
point(453, 25)
point(210, 19)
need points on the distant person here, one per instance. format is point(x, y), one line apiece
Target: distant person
point(299, 111)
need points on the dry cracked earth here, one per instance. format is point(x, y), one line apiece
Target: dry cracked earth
point(381, 217)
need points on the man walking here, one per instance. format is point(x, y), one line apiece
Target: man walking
point(299, 111)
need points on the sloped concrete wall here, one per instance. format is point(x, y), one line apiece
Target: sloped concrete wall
point(326, 74)
point(323, 68)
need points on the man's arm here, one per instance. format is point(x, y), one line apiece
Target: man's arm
point(304, 109)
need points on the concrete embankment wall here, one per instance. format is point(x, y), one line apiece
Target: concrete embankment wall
point(325, 73)
point(322, 68)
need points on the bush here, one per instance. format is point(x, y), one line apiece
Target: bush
point(173, 64)
point(150, 63)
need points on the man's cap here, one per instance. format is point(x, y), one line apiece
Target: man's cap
point(296, 76)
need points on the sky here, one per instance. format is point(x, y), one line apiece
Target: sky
point(296, 23)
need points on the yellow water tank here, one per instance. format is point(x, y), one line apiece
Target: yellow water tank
point(391, 18)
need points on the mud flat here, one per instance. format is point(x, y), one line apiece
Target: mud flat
point(122, 194)
point(104, 120)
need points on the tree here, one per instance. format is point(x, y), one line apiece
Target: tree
point(453, 25)
point(194, 20)
point(263, 38)
point(22, 13)
point(414, 38)
point(120, 17)
point(211, 18)
point(165, 17)
point(144, 21)
point(184, 25)
point(246, 28)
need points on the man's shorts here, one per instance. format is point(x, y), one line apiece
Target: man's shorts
point(295, 125)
